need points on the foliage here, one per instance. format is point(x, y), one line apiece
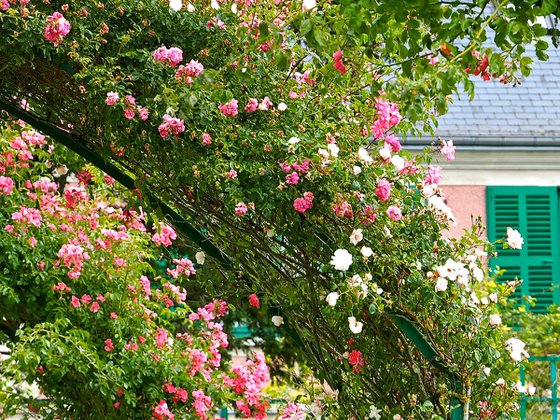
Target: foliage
point(275, 136)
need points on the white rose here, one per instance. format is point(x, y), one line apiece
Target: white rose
point(333, 149)
point(200, 257)
point(477, 273)
point(385, 153)
point(282, 107)
point(293, 140)
point(514, 238)
point(474, 298)
point(364, 156)
point(357, 170)
point(366, 251)
point(398, 162)
point(355, 326)
point(61, 170)
point(493, 298)
point(484, 300)
point(308, 5)
point(441, 284)
point(486, 370)
point(516, 349)
point(356, 236)
point(214, 4)
point(341, 260)
point(332, 298)
point(277, 320)
point(495, 320)
point(500, 382)
point(190, 8)
point(519, 387)
point(175, 5)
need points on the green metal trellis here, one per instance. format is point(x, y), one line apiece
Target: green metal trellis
point(553, 361)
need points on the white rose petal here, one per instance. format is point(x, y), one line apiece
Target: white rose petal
point(486, 370)
point(190, 8)
point(277, 320)
point(282, 107)
point(214, 4)
point(355, 326)
point(332, 298)
point(341, 260)
point(357, 170)
point(493, 297)
point(514, 238)
point(356, 236)
point(200, 257)
point(175, 5)
point(293, 140)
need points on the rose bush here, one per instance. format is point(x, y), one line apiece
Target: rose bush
point(272, 127)
point(87, 325)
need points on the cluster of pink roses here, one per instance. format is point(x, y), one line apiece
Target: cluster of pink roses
point(171, 56)
point(171, 125)
point(57, 28)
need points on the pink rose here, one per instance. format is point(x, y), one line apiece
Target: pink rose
point(252, 105)
point(383, 190)
point(161, 54)
point(240, 209)
point(338, 64)
point(112, 98)
point(206, 139)
point(174, 56)
point(254, 300)
point(229, 109)
point(292, 179)
point(394, 213)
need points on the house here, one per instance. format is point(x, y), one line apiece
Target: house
point(507, 171)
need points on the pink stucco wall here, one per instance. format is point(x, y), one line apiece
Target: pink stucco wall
point(464, 201)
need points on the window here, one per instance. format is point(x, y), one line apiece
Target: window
point(534, 212)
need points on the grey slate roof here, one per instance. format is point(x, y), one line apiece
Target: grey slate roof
point(522, 116)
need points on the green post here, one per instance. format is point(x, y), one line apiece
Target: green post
point(554, 385)
point(224, 413)
point(523, 408)
point(420, 342)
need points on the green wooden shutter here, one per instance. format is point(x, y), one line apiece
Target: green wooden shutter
point(534, 212)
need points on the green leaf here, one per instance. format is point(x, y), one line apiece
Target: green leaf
point(548, 7)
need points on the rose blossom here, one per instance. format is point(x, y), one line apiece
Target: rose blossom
point(514, 238)
point(341, 260)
